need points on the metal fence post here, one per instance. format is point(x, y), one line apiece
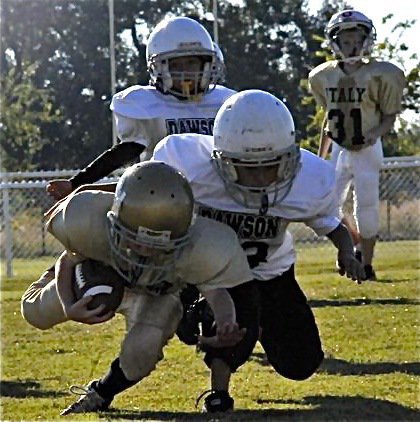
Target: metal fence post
point(8, 233)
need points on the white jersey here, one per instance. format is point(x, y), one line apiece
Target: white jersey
point(213, 258)
point(145, 115)
point(268, 244)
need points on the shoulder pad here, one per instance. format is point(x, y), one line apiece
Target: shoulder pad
point(138, 102)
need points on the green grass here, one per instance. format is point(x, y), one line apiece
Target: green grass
point(369, 333)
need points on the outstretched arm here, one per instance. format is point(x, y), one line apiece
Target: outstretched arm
point(347, 262)
point(102, 166)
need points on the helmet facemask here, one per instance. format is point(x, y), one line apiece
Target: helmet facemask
point(148, 224)
point(127, 247)
point(184, 84)
point(365, 50)
point(346, 21)
point(258, 195)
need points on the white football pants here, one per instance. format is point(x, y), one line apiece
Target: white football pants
point(361, 168)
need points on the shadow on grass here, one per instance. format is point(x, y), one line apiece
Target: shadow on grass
point(316, 409)
point(24, 389)
point(333, 366)
point(360, 302)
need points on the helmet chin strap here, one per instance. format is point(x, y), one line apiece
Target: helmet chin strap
point(354, 60)
point(264, 204)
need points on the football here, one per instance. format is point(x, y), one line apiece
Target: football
point(102, 282)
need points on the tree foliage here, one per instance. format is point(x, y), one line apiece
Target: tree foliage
point(24, 109)
point(267, 44)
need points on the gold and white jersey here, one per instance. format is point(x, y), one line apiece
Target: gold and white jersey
point(356, 103)
point(145, 115)
point(213, 258)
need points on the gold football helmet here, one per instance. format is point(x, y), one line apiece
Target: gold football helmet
point(149, 221)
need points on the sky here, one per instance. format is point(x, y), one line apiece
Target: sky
point(377, 9)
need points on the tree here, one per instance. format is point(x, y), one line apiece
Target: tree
point(24, 109)
point(267, 44)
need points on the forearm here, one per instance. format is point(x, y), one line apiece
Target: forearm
point(341, 239)
point(106, 163)
point(222, 306)
point(324, 141)
point(324, 146)
point(384, 127)
point(105, 187)
point(64, 269)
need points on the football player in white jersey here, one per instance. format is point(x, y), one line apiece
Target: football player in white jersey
point(183, 97)
point(361, 97)
point(146, 232)
point(252, 176)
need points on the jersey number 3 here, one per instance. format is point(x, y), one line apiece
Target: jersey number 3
point(339, 135)
point(256, 252)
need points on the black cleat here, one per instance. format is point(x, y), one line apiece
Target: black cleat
point(90, 400)
point(370, 273)
point(216, 401)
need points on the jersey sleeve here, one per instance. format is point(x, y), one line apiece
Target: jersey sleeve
point(174, 151)
point(327, 217)
point(214, 258)
point(313, 198)
point(316, 87)
point(130, 130)
point(79, 224)
point(392, 83)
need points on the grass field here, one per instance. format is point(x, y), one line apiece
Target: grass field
point(370, 336)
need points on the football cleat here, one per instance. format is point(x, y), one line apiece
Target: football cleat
point(90, 400)
point(370, 273)
point(216, 401)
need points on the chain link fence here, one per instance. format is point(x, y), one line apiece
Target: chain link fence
point(24, 200)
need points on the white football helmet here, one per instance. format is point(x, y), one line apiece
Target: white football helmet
point(254, 129)
point(181, 37)
point(350, 19)
point(220, 63)
point(152, 210)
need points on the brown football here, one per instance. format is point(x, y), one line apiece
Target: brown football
point(102, 282)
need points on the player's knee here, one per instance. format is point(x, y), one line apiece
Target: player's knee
point(369, 222)
point(140, 353)
point(299, 369)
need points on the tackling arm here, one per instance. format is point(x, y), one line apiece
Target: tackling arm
point(102, 166)
point(227, 332)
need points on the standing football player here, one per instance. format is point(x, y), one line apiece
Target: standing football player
point(144, 231)
point(252, 176)
point(361, 97)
